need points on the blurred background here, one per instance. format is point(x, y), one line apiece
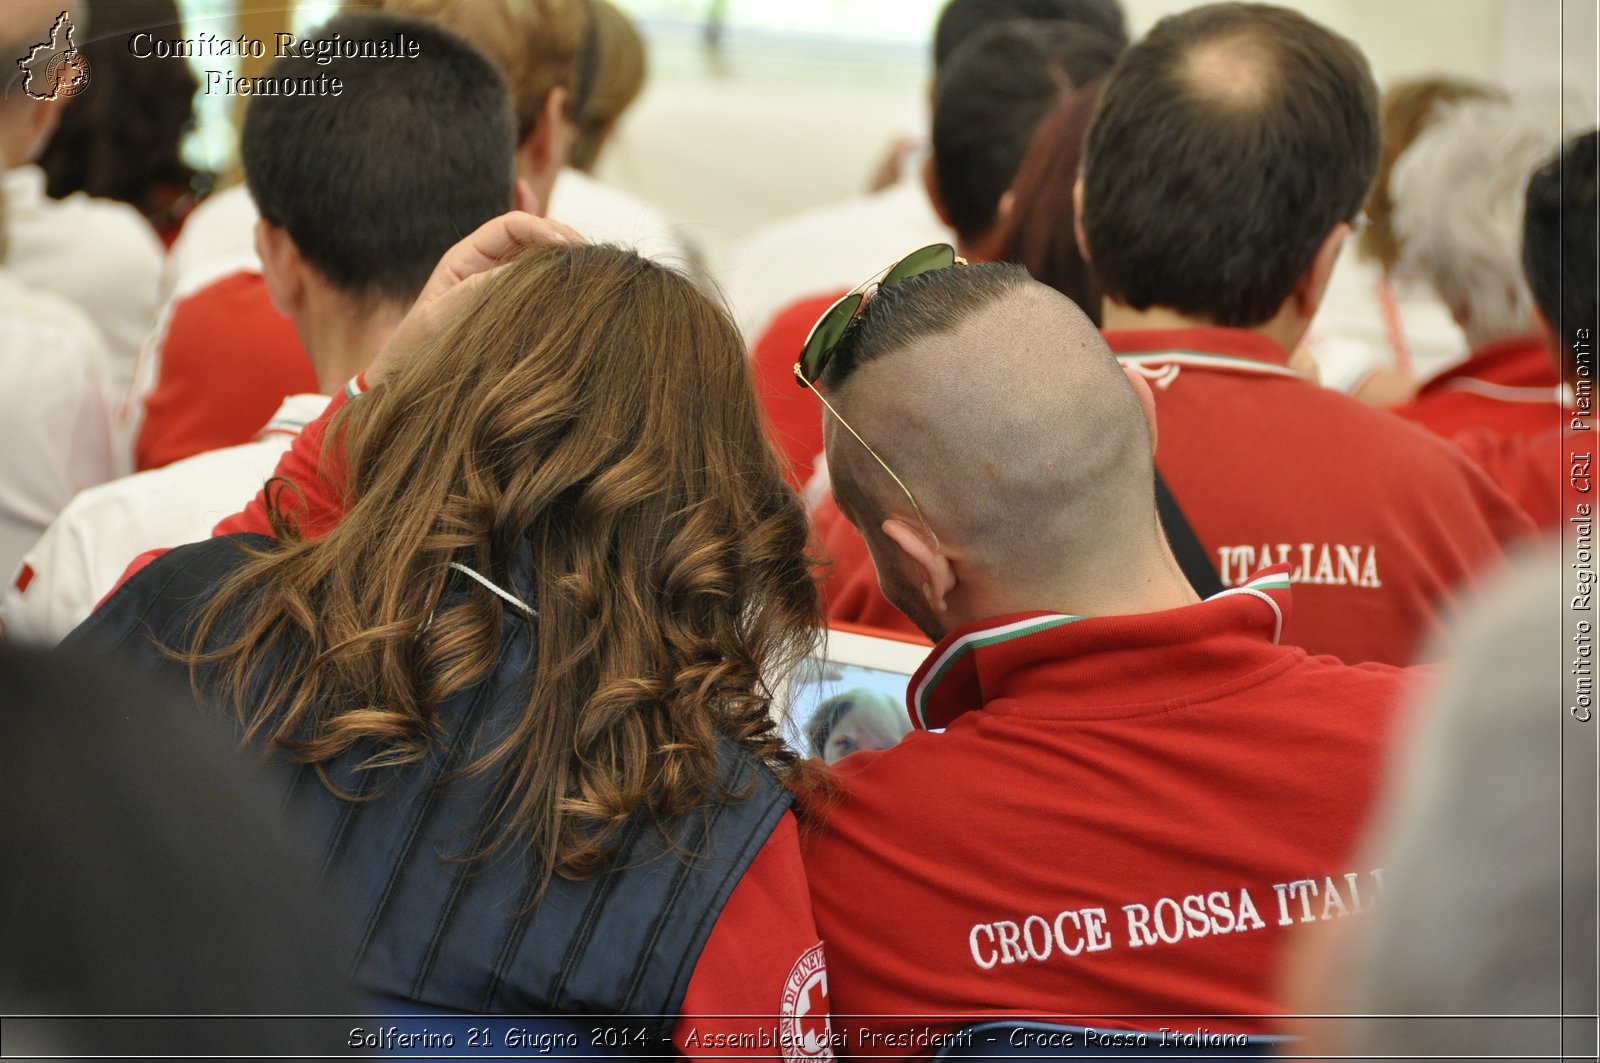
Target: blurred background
point(754, 110)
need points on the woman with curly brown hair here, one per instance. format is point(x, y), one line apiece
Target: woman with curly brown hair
point(518, 631)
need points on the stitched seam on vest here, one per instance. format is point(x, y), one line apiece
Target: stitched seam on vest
point(591, 917)
point(432, 954)
point(685, 867)
point(292, 789)
point(402, 859)
point(467, 728)
point(508, 951)
point(141, 622)
point(336, 842)
point(781, 799)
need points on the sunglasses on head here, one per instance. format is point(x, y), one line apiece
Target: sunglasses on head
point(830, 330)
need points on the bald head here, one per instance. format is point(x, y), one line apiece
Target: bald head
point(1234, 72)
point(998, 404)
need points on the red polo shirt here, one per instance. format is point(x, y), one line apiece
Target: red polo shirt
point(1122, 821)
point(1383, 524)
point(1548, 474)
point(1511, 387)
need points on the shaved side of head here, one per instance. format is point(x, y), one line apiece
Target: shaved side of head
point(997, 402)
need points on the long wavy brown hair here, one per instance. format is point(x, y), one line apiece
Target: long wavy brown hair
point(595, 410)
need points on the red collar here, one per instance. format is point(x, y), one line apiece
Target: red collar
point(1521, 361)
point(1070, 667)
point(1230, 342)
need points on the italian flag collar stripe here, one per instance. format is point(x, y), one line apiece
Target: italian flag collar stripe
point(929, 676)
point(1202, 360)
point(973, 640)
point(1273, 579)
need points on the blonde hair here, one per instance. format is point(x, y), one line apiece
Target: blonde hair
point(619, 71)
point(596, 411)
point(538, 45)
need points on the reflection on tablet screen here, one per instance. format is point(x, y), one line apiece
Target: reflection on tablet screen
point(836, 709)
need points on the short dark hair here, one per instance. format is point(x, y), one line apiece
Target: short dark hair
point(1213, 200)
point(991, 97)
point(374, 185)
point(1559, 238)
point(960, 19)
point(922, 306)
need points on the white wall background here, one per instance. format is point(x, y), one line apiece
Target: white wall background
point(786, 121)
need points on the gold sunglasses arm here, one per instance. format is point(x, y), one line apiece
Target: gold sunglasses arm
point(799, 373)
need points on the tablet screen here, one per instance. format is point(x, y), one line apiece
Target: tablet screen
point(851, 698)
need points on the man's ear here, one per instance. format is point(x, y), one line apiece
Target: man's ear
point(1147, 401)
point(935, 576)
point(550, 143)
point(930, 184)
point(1077, 219)
point(282, 268)
point(1307, 293)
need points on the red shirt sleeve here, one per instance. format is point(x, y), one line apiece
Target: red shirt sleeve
point(760, 988)
point(308, 485)
point(1531, 469)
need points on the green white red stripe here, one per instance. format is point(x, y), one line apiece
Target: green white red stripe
point(973, 640)
point(1276, 578)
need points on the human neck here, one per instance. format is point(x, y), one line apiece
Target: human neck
point(342, 335)
point(540, 177)
point(1152, 587)
point(1286, 328)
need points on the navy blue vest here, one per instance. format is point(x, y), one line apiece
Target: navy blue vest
point(461, 936)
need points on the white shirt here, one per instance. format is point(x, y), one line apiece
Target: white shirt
point(608, 215)
point(55, 430)
point(96, 253)
point(827, 249)
point(218, 238)
point(81, 557)
point(1350, 336)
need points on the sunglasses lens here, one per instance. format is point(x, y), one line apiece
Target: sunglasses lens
point(928, 259)
point(826, 334)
